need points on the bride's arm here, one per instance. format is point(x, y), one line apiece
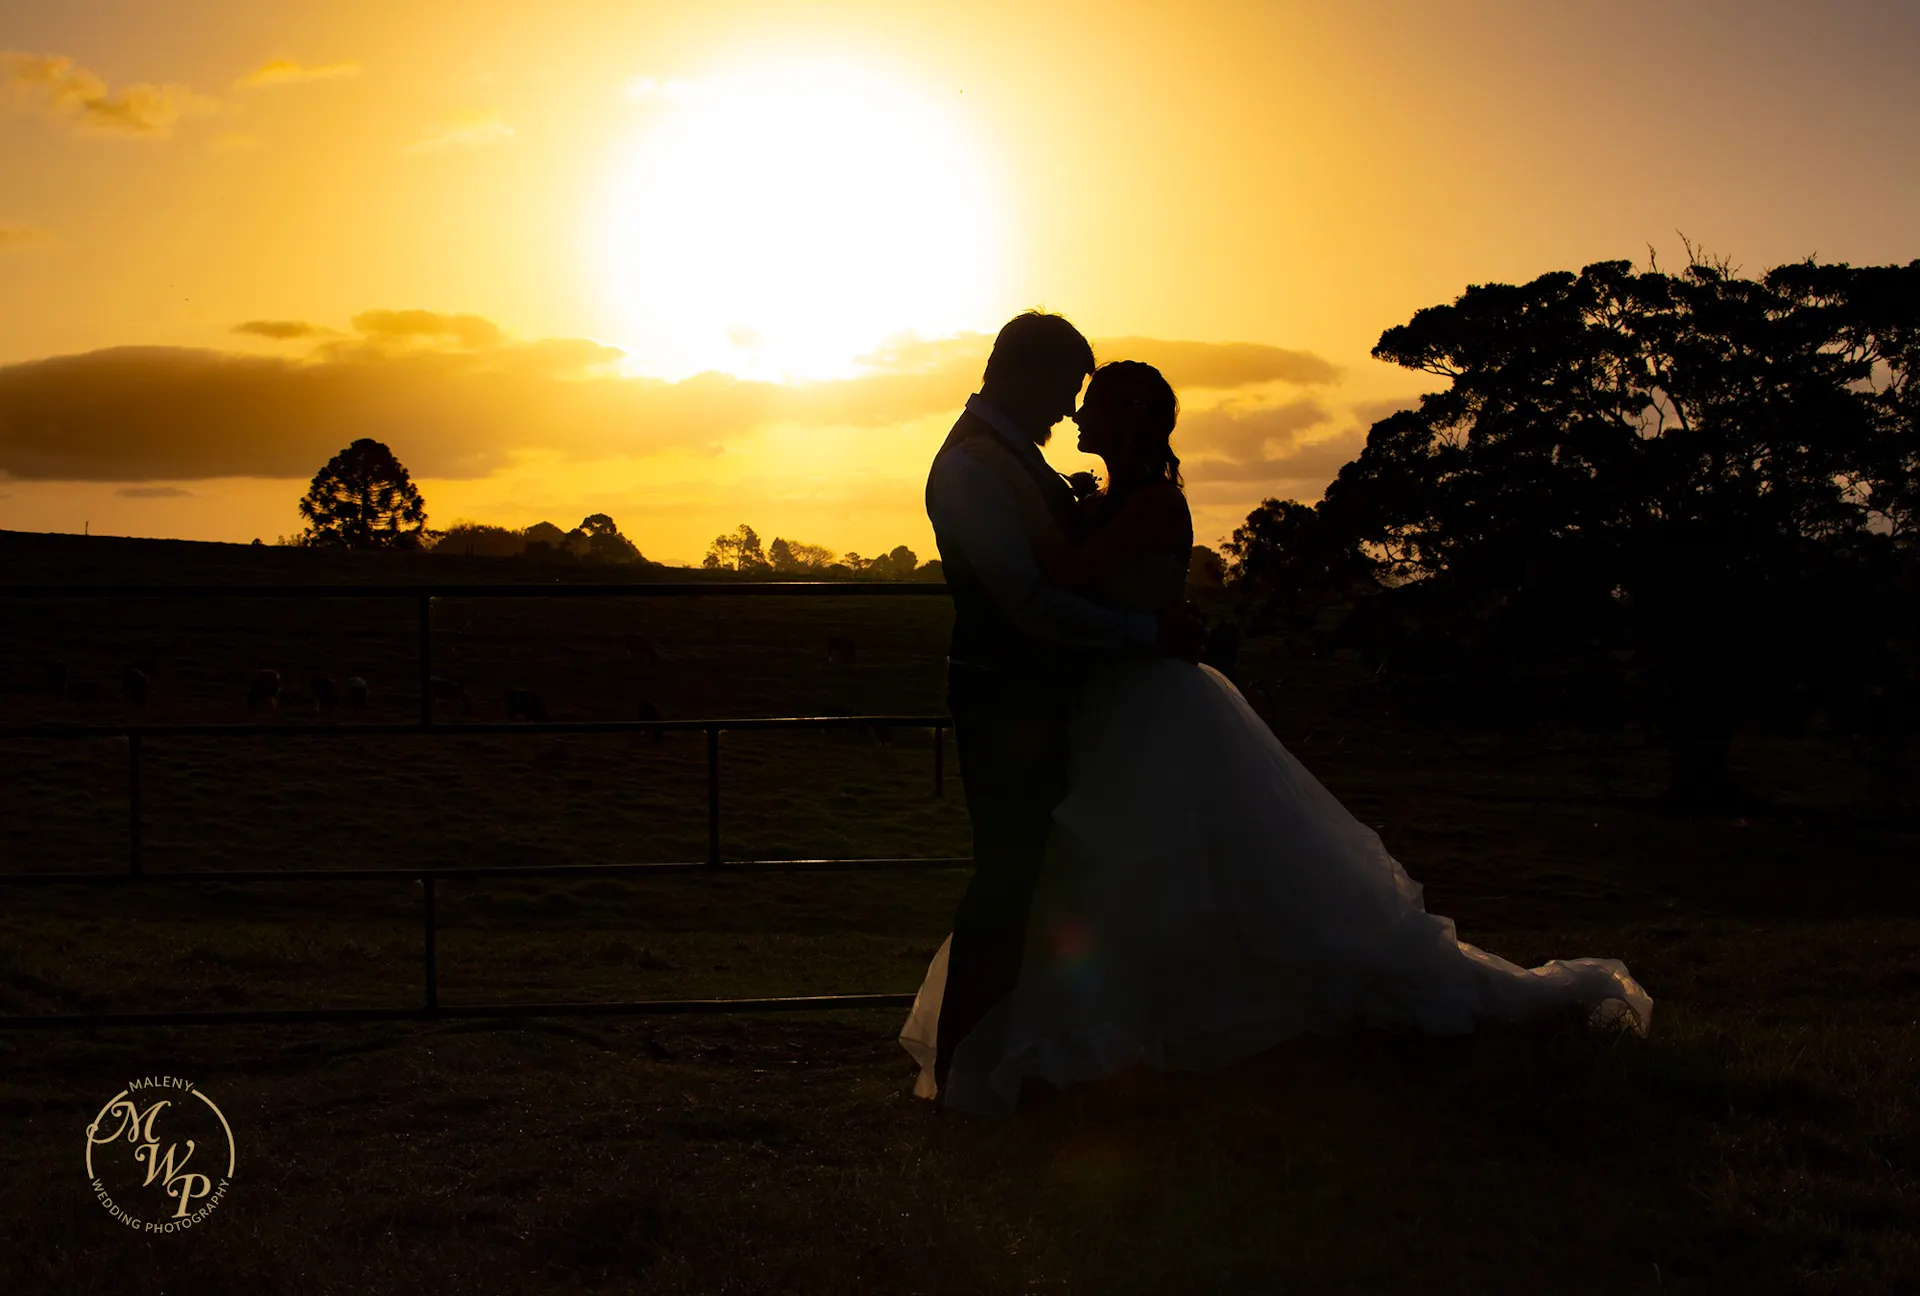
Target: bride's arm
point(1154, 517)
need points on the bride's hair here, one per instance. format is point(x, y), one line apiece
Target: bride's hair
point(1145, 403)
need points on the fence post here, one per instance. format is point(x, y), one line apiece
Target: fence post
point(431, 952)
point(426, 660)
point(713, 796)
point(133, 802)
point(939, 760)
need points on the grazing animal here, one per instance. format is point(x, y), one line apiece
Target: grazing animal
point(264, 692)
point(525, 704)
point(451, 691)
point(842, 650)
point(356, 693)
point(648, 711)
point(57, 678)
point(325, 697)
point(642, 648)
point(135, 687)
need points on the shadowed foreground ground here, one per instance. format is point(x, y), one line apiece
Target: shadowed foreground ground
point(1763, 1139)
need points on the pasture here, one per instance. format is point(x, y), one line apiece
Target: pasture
point(1763, 1139)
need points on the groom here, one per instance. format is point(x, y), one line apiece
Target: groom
point(1019, 645)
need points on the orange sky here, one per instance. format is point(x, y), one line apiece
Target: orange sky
point(507, 239)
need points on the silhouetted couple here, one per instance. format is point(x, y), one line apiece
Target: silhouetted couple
point(1156, 879)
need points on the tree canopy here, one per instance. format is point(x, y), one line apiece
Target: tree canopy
point(1612, 406)
point(363, 499)
point(741, 550)
point(596, 540)
point(1709, 477)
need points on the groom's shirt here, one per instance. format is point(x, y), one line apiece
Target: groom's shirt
point(991, 514)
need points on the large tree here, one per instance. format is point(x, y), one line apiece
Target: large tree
point(1286, 557)
point(363, 499)
point(1685, 469)
point(798, 556)
point(480, 539)
point(899, 563)
point(739, 551)
point(604, 541)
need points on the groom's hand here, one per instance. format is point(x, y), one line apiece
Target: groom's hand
point(1181, 633)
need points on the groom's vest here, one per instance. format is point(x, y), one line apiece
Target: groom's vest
point(983, 635)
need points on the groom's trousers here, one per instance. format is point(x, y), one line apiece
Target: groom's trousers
point(1011, 728)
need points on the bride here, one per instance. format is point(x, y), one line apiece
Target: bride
point(1203, 896)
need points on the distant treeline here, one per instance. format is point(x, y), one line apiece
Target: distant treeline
point(740, 550)
point(596, 540)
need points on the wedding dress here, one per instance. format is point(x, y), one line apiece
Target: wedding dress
point(1205, 898)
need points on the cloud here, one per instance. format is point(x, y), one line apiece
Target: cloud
point(1219, 364)
point(233, 142)
point(466, 133)
point(131, 414)
point(470, 331)
point(1318, 460)
point(19, 235)
point(58, 88)
point(457, 398)
point(913, 376)
point(1255, 436)
point(280, 72)
point(282, 330)
point(1294, 448)
point(153, 492)
point(1243, 435)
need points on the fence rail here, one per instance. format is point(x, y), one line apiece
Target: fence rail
point(428, 877)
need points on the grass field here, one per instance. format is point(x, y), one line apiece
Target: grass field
point(1763, 1139)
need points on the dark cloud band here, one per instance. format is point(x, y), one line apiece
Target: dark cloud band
point(455, 399)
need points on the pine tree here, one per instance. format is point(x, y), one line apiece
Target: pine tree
point(363, 499)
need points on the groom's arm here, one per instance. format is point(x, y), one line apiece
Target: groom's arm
point(970, 507)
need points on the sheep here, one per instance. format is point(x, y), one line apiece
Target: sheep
point(525, 704)
point(648, 711)
point(325, 697)
point(135, 687)
point(264, 692)
point(841, 650)
point(356, 693)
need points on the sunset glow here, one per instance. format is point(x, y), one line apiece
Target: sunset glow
point(782, 219)
point(693, 265)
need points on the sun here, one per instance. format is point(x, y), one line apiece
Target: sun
point(781, 219)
